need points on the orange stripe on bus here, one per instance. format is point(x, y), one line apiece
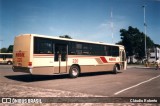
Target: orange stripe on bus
point(99, 61)
point(43, 54)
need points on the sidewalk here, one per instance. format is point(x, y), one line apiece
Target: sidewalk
point(140, 66)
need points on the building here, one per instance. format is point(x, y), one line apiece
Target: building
point(154, 54)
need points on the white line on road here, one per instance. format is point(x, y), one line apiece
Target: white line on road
point(136, 85)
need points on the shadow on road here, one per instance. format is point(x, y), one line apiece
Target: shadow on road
point(33, 78)
point(97, 73)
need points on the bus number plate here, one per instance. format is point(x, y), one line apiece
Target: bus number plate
point(75, 61)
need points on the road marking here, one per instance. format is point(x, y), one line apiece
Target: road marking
point(136, 85)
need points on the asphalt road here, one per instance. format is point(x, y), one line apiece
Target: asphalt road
point(134, 82)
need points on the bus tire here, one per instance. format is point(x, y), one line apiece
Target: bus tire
point(9, 62)
point(115, 69)
point(74, 71)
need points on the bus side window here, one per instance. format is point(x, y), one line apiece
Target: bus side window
point(9, 56)
point(79, 48)
point(43, 46)
point(1, 56)
point(71, 48)
point(115, 51)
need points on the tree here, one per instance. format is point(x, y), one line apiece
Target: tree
point(127, 37)
point(139, 44)
point(10, 49)
point(157, 45)
point(133, 40)
point(3, 50)
point(119, 43)
point(65, 36)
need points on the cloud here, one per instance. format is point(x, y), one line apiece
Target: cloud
point(102, 32)
point(103, 25)
point(105, 29)
point(62, 31)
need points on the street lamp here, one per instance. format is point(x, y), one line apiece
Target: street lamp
point(145, 25)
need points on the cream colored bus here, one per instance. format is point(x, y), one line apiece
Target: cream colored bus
point(46, 55)
point(6, 58)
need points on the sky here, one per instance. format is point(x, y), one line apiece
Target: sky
point(81, 19)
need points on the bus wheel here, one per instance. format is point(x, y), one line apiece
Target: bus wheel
point(115, 69)
point(74, 71)
point(9, 62)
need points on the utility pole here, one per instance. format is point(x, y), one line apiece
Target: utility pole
point(145, 26)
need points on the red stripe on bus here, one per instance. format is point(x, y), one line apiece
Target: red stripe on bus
point(103, 59)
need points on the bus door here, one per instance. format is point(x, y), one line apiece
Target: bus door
point(123, 59)
point(60, 58)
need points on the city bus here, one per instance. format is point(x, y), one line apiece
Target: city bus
point(6, 58)
point(47, 55)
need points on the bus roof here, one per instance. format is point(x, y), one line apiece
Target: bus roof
point(65, 39)
point(6, 53)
